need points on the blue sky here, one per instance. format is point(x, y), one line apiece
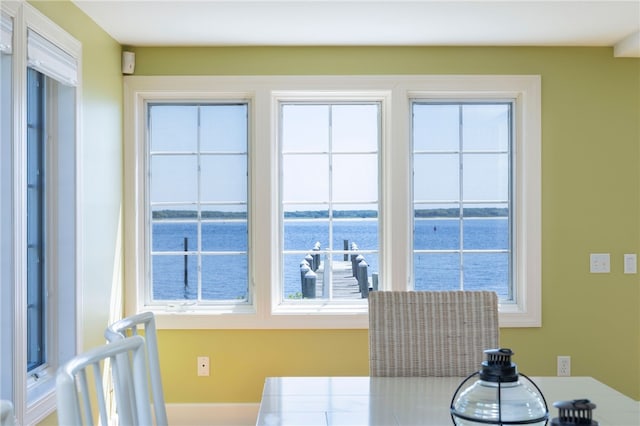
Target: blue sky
point(309, 133)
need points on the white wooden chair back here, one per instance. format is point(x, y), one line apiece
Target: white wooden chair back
point(80, 392)
point(129, 326)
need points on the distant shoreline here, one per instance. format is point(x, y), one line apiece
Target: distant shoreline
point(340, 214)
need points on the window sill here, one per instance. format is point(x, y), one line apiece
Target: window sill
point(316, 316)
point(41, 400)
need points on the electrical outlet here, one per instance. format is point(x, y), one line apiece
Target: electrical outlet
point(564, 366)
point(203, 366)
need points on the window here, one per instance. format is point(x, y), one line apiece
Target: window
point(339, 167)
point(329, 193)
point(462, 196)
point(38, 194)
point(198, 203)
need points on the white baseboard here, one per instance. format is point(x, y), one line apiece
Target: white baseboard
point(214, 414)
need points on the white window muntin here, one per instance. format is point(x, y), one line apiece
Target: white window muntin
point(395, 214)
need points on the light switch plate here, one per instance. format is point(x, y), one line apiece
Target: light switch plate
point(630, 263)
point(600, 263)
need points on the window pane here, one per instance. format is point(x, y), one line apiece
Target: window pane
point(177, 212)
point(362, 232)
point(303, 235)
point(174, 178)
point(355, 178)
point(223, 211)
point(223, 129)
point(355, 210)
point(349, 138)
point(489, 234)
point(477, 276)
point(224, 277)
point(356, 267)
point(344, 276)
point(307, 178)
point(293, 276)
point(223, 178)
point(436, 177)
point(437, 271)
point(175, 277)
point(436, 234)
point(305, 128)
point(224, 236)
point(172, 236)
point(486, 177)
point(436, 127)
point(486, 127)
point(173, 128)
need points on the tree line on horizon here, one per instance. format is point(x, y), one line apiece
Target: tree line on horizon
point(340, 214)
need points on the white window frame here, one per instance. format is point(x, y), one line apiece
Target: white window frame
point(526, 256)
point(34, 398)
point(322, 306)
point(395, 94)
point(6, 207)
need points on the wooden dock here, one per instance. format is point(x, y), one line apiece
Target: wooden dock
point(345, 285)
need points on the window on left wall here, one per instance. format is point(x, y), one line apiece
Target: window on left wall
point(39, 226)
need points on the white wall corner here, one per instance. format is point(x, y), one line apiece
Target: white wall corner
point(213, 414)
point(628, 47)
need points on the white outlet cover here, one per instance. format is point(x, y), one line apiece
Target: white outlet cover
point(600, 263)
point(203, 366)
point(564, 366)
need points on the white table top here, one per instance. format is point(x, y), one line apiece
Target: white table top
point(308, 401)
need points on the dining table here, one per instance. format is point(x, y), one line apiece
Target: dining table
point(399, 401)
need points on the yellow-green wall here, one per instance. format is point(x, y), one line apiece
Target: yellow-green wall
point(591, 203)
point(591, 194)
point(241, 359)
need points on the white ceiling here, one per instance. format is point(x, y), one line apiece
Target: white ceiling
point(361, 22)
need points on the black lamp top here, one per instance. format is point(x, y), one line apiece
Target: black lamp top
point(498, 367)
point(575, 412)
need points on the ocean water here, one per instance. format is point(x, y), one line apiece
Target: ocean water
point(224, 277)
